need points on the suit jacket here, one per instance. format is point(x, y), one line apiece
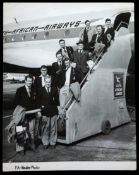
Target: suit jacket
point(49, 101)
point(38, 83)
point(111, 31)
point(90, 33)
point(102, 38)
point(22, 98)
point(55, 77)
point(74, 77)
point(69, 51)
point(81, 61)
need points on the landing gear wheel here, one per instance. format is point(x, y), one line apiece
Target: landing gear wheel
point(133, 115)
point(106, 127)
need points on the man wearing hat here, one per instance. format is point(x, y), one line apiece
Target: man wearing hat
point(80, 58)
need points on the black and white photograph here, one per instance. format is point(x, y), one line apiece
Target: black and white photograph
point(68, 86)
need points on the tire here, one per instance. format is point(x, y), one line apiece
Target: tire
point(133, 115)
point(106, 127)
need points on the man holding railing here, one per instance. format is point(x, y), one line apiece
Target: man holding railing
point(99, 37)
point(69, 83)
point(109, 29)
point(80, 58)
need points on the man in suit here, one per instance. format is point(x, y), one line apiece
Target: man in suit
point(57, 70)
point(109, 40)
point(109, 29)
point(66, 51)
point(25, 98)
point(39, 81)
point(48, 100)
point(99, 37)
point(68, 78)
point(80, 58)
point(86, 34)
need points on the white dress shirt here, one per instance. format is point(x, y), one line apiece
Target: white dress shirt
point(59, 63)
point(48, 89)
point(68, 72)
point(105, 29)
point(98, 35)
point(43, 82)
point(28, 90)
point(64, 52)
point(80, 50)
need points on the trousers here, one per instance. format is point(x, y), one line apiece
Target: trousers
point(31, 127)
point(64, 96)
point(49, 130)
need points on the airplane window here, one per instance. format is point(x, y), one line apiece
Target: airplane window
point(13, 39)
point(67, 32)
point(23, 37)
point(46, 34)
point(34, 36)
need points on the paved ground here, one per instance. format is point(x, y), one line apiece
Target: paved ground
point(119, 145)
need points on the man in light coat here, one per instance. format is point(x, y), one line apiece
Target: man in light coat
point(86, 34)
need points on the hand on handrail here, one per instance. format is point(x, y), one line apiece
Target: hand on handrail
point(33, 111)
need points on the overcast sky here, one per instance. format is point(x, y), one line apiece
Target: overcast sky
point(31, 11)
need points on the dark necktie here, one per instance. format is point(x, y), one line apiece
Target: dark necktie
point(97, 38)
point(80, 51)
point(29, 91)
point(85, 36)
point(48, 90)
point(65, 50)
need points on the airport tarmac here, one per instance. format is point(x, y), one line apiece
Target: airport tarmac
point(119, 145)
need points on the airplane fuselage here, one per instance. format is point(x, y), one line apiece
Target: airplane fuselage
point(32, 44)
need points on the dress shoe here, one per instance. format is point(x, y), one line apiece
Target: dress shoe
point(32, 146)
point(22, 153)
point(35, 150)
point(45, 146)
point(53, 146)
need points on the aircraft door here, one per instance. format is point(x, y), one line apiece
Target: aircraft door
point(122, 20)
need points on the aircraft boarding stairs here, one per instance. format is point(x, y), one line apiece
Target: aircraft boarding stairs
point(102, 105)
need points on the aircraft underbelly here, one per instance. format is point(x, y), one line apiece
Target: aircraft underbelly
point(33, 53)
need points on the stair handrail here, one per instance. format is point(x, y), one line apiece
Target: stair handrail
point(64, 109)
